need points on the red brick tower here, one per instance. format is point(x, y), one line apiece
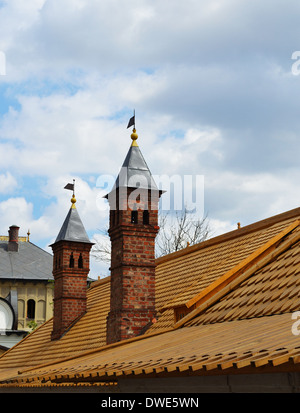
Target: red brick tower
point(70, 269)
point(132, 229)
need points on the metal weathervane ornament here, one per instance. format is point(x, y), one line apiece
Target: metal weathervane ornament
point(134, 135)
point(71, 187)
point(132, 121)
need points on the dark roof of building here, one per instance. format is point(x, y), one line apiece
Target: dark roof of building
point(28, 263)
point(72, 228)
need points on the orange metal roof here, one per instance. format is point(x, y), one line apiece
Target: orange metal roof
point(220, 347)
point(273, 289)
point(242, 289)
point(199, 267)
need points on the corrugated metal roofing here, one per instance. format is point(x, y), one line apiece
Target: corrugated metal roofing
point(201, 350)
point(249, 326)
point(194, 269)
point(274, 289)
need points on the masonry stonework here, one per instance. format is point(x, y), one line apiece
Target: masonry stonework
point(70, 270)
point(132, 265)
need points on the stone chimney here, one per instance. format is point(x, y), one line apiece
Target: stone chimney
point(132, 229)
point(71, 257)
point(13, 238)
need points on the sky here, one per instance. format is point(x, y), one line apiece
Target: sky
point(215, 86)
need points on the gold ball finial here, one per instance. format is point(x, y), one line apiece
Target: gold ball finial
point(73, 200)
point(134, 137)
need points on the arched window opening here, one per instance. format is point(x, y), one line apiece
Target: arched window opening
point(113, 218)
point(80, 261)
point(134, 217)
point(57, 262)
point(31, 309)
point(71, 265)
point(146, 217)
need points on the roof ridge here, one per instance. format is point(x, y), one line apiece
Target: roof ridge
point(40, 248)
point(256, 226)
point(259, 258)
point(96, 283)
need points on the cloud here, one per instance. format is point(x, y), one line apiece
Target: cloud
point(7, 183)
point(45, 39)
point(211, 83)
point(15, 211)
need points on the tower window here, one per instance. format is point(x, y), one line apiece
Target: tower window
point(31, 309)
point(57, 262)
point(80, 261)
point(134, 217)
point(146, 217)
point(71, 265)
point(113, 217)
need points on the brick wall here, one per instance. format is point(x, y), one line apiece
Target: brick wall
point(70, 270)
point(132, 269)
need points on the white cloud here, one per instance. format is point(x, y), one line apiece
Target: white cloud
point(8, 183)
point(15, 211)
point(52, 135)
point(210, 81)
point(42, 38)
point(218, 227)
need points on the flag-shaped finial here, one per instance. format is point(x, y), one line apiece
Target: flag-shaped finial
point(131, 121)
point(71, 187)
point(134, 135)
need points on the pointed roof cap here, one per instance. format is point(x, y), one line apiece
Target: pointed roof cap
point(72, 228)
point(135, 172)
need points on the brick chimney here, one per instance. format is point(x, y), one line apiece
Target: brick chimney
point(132, 229)
point(13, 238)
point(71, 252)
